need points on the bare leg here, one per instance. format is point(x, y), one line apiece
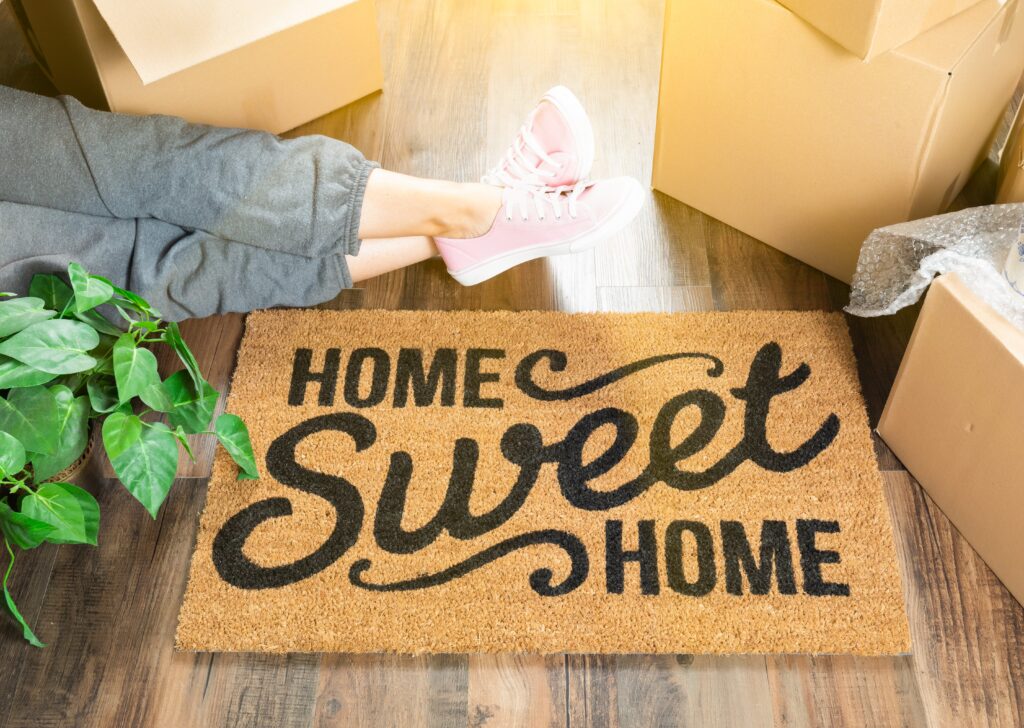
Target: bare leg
point(383, 255)
point(397, 206)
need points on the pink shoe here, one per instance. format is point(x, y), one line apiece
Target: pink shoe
point(535, 223)
point(555, 146)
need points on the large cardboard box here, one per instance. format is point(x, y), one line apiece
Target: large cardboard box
point(870, 27)
point(261, 64)
point(955, 418)
point(767, 125)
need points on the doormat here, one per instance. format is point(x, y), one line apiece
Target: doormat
point(547, 482)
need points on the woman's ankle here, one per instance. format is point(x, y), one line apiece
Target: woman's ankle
point(472, 212)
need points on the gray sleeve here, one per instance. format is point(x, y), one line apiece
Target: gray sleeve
point(301, 196)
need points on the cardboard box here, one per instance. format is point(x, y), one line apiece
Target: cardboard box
point(770, 127)
point(955, 417)
point(1011, 163)
point(260, 64)
point(869, 27)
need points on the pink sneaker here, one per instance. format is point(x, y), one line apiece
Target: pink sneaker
point(555, 146)
point(535, 223)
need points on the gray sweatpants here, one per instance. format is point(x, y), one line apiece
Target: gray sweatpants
point(197, 219)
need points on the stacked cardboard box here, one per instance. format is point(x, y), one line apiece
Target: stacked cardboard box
point(261, 64)
point(770, 125)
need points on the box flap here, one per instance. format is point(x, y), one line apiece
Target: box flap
point(1004, 334)
point(942, 47)
point(161, 37)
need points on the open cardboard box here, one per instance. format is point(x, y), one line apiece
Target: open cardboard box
point(769, 126)
point(955, 418)
point(260, 64)
point(869, 27)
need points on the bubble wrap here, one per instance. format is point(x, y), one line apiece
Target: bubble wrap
point(897, 263)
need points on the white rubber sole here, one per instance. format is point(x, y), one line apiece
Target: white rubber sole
point(486, 269)
point(570, 106)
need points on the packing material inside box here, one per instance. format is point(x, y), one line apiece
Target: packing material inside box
point(870, 27)
point(256, 63)
point(767, 125)
point(954, 419)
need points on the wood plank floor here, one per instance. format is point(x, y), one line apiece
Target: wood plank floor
point(460, 75)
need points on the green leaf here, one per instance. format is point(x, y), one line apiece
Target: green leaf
point(54, 292)
point(156, 397)
point(99, 322)
point(192, 412)
point(172, 337)
point(72, 434)
point(22, 531)
point(30, 415)
point(72, 511)
point(20, 313)
point(234, 436)
point(56, 346)
point(14, 374)
point(12, 455)
point(147, 467)
point(102, 393)
point(7, 294)
point(90, 291)
point(134, 368)
point(120, 431)
point(135, 301)
point(182, 437)
point(12, 608)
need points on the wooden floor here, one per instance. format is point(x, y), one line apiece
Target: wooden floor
point(460, 75)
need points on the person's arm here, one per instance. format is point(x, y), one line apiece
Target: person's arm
point(300, 196)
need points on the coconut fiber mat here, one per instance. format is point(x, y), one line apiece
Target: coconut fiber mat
point(547, 482)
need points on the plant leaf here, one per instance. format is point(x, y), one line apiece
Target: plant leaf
point(20, 313)
point(72, 511)
point(135, 368)
point(90, 292)
point(147, 467)
point(156, 397)
point(182, 437)
point(56, 346)
point(30, 415)
point(133, 300)
point(15, 374)
point(120, 431)
point(192, 412)
point(54, 292)
point(102, 393)
point(24, 532)
point(172, 337)
point(234, 436)
point(99, 322)
point(12, 455)
point(12, 608)
point(72, 434)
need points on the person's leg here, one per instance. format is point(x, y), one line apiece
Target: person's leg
point(383, 255)
point(183, 273)
point(304, 196)
point(398, 205)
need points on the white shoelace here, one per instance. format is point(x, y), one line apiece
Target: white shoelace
point(515, 168)
point(541, 197)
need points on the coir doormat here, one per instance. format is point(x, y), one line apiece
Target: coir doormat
point(547, 482)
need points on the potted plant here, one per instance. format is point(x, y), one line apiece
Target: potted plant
point(65, 369)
